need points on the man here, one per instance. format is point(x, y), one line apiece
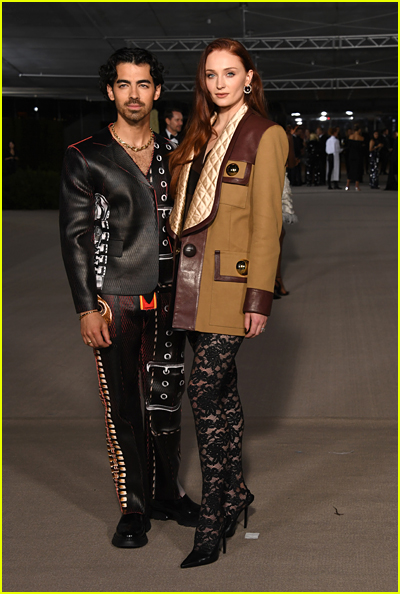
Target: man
point(173, 125)
point(333, 150)
point(113, 209)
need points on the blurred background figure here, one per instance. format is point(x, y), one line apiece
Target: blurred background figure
point(385, 151)
point(11, 159)
point(288, 215)
point(345, 147)
point(295, 172)
point(393, 165)
point(333, 151)
point(322, 138)
point(313, 159)
point(355, 147)
point(173, 125)
point(375, 146)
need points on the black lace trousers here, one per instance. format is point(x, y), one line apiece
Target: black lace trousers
point(218, 416)
point(145, 358)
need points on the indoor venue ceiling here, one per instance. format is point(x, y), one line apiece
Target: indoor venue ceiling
point(303, 50)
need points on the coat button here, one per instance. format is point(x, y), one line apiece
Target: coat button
point(189, 250)
point(232, 169)
point(242, 267)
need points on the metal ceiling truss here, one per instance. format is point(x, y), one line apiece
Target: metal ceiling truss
point(303, 84)
point(336, 42)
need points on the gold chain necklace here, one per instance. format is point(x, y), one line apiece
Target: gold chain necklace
point(133, 148)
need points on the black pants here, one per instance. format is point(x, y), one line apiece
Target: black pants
point(330, 168)
point(146, 357)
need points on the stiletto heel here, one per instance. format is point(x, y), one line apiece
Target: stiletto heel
point(231, 520)
point(224, 542)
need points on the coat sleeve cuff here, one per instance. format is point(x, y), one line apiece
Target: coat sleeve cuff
point(258, 301)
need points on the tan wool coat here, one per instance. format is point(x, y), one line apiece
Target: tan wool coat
point(230, 238)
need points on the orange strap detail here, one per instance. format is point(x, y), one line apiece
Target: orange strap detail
point(144, 305)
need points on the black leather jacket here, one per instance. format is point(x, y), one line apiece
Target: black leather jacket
point(112, 219)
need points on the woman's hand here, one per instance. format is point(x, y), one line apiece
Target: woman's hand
point(94, 330)
point(254, 324)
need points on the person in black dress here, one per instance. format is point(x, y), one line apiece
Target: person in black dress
point(375, 147)
point(355, 155)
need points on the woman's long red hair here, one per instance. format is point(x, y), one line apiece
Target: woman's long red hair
point(199, 127)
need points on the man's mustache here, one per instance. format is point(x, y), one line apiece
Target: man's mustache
point(134, 102)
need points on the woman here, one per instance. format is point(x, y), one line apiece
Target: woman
point(313, 158)
point(333, 151)
point(375, 146)
point(355, 148)
point(227, 177)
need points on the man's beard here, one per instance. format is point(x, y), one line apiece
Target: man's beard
point(134, 116)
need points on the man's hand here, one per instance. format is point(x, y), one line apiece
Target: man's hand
point(94, 330)
point(254, 324)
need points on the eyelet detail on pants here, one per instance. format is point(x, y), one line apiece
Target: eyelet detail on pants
point(165, 384)
point(167, 356)
point(164, 396)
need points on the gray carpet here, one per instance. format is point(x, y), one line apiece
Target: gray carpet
point(319, 394)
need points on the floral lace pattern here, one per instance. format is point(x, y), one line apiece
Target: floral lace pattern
point(218, 416)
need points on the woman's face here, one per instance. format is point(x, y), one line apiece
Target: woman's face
point(226, 78)
point(376, 134)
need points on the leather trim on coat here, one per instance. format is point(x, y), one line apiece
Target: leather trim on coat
point(258, 301)
point(190, 268)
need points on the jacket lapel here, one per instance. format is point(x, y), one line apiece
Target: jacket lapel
point(114, 152)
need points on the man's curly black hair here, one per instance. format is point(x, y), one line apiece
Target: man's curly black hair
point(108, 71)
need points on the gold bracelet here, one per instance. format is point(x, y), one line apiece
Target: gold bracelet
point(86, 313)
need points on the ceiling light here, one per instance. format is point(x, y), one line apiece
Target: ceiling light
point(324, 113)
point(322, 118)
point(295, 113)
point(349, 113)
point(35, 109)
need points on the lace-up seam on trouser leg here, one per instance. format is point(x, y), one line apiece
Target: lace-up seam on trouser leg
point(144, 453)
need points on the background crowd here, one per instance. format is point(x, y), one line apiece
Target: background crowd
point(322, 155)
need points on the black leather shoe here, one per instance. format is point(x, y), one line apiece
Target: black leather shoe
point(131, 531)
point(182, 510)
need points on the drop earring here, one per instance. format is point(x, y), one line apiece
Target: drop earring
point(247, 89)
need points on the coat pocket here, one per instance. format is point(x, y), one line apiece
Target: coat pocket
point(231, 267)
point(235, 181)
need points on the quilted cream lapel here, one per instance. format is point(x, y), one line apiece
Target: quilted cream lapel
point(203, 197)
